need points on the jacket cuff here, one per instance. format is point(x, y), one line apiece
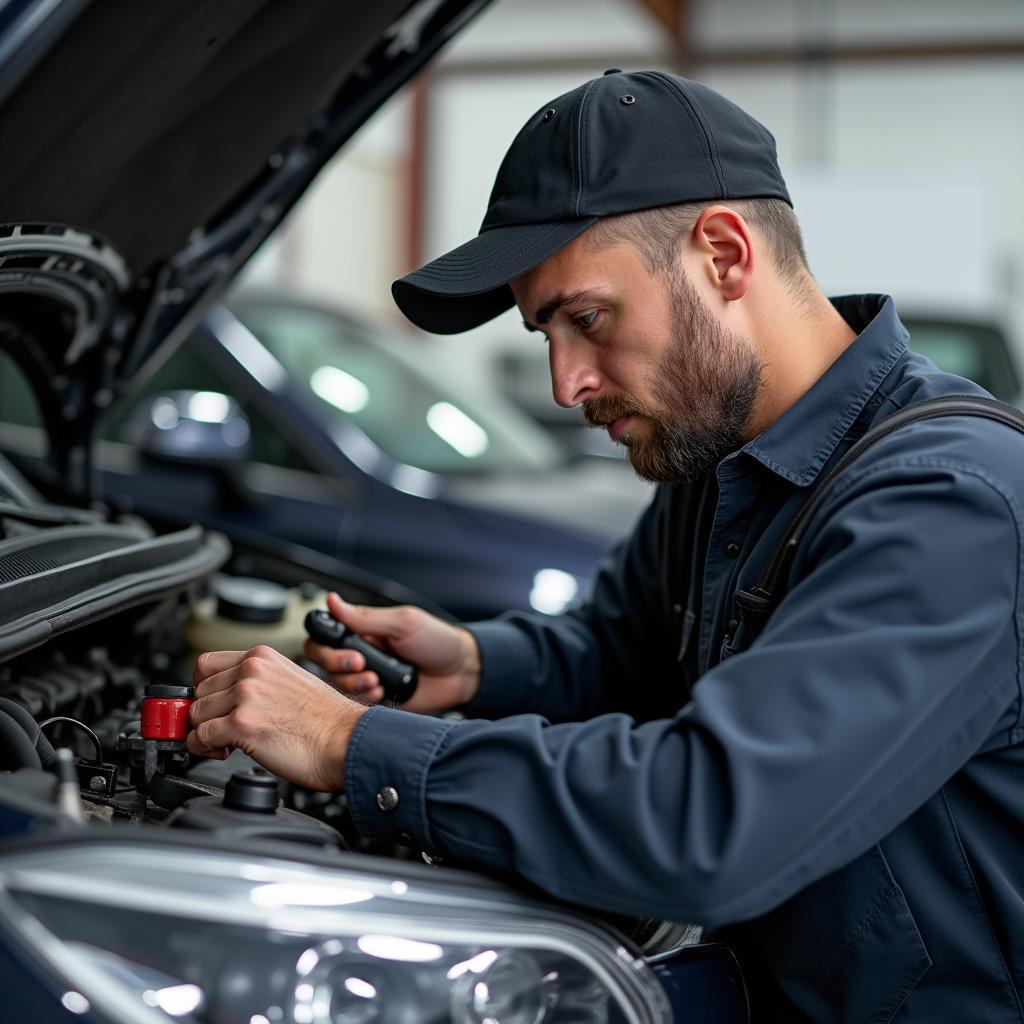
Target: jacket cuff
point(506, 667)
point(389, 755)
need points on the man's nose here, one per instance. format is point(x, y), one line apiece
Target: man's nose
point(573, 378)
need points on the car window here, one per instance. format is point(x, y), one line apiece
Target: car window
point(17, 400)
point(186, 370)
point(975, 351)
point(14, 487)
point(414, 412)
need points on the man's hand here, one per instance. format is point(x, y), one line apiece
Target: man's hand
point(446, 656)
point(263, 703)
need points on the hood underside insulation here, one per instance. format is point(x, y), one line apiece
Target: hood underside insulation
point(146, 119)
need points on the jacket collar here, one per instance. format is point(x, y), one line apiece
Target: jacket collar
point(803, 438)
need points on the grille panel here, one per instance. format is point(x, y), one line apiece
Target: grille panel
point(17, 565)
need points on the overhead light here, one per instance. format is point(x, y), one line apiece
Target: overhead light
point(341, 389)
point(456, 429)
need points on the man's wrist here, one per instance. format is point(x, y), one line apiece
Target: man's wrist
point(337, 743)
point(471, 668)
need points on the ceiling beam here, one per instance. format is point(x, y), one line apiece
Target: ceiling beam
point(985, 49)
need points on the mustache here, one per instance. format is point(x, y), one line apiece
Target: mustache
point(599, 412)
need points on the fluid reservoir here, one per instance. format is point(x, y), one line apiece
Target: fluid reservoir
point(165, 711)
point(243, 611)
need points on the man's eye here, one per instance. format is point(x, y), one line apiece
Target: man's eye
point(586, 320)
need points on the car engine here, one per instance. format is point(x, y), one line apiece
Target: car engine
point(100, 625)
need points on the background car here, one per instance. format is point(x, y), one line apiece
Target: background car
point(980, 350)
point(360, 443)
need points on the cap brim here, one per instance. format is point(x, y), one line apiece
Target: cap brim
point(469, 285)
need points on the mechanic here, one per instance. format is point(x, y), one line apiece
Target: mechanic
point(836, 792)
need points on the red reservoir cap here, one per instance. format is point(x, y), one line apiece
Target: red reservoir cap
point(165, 712)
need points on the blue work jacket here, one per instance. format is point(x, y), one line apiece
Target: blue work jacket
point(840, 797)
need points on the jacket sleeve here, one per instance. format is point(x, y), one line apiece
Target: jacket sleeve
point(893, 659)
point(613, 652)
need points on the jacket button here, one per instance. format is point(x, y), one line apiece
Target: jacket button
point(387, 798)
point(732, 549)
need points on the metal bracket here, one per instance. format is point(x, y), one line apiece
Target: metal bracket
point(96, 779)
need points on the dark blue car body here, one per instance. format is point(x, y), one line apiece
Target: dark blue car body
point(319, 482)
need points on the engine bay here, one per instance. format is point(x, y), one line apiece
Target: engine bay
point(101, 623)
point(93, 718)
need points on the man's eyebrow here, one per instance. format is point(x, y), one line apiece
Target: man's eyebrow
point(557, 302)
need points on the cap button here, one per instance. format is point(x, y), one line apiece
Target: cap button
point(614, 71)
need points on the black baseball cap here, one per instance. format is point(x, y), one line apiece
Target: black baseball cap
point(619, 143)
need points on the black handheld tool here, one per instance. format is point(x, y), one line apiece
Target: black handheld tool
point(398, 678)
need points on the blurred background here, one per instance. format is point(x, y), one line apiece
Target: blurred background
point(306, 411)
point(899, 130)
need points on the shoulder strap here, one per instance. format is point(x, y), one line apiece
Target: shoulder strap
point(677, 532)
point(759, 602)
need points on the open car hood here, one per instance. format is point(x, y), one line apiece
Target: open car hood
point(149, 148)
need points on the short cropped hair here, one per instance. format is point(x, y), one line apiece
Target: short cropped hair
point(656, 233)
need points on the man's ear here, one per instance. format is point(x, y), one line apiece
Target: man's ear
point(723, 238)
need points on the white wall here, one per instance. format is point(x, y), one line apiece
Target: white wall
point(556, 28)
point(345, 241)
point(907, 176)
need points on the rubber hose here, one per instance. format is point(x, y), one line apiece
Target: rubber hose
point(44, 748)
point(16, 747)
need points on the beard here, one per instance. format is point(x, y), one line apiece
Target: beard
point(702, 394)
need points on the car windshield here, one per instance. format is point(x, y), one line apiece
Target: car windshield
point(14, 487)
point(402, 394)
point(975, 351)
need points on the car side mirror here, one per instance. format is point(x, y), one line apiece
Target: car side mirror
point(202, 431)
point(198, 428)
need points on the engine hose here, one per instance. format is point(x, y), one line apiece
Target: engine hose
point(44, 748)
point(81, 727)
point(16, 747)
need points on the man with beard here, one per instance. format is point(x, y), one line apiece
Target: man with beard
point(831, 785)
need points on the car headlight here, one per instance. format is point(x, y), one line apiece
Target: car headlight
point(150, 930)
